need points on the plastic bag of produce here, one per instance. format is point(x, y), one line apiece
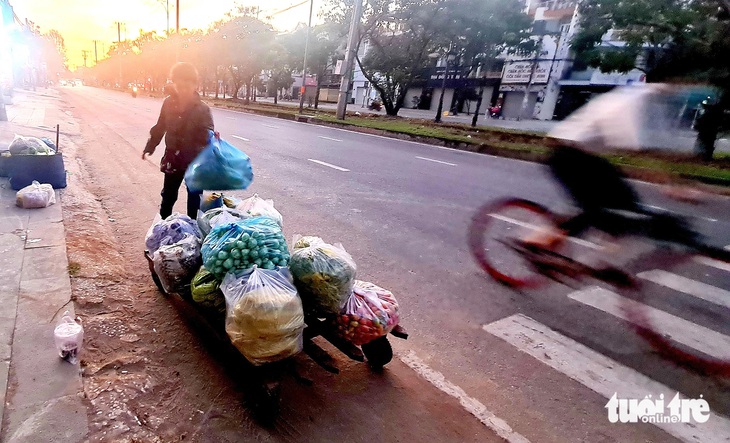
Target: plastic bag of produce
point(35, 195)
point(211, 200)
point(218, 216)
point(219, 166)
point(256, 206)
point(169, 231)
point(305, 241)
point(205, 289)
point(241, 245)
point(176, 264)
point(324, 275)
point(371, 312)
point(68, 336)
point(26, 145)
point(264, 316)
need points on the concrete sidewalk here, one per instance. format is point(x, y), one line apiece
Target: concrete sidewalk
point(43, 397)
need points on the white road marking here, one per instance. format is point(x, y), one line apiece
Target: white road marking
point(232, 118)
point(241, 138)
point(678, 329)
point(598, 372)
point(472, 405)
point(712, 262)
point(269, 126)
point(679, 213)
point(329, 138)
point(686, 285)
point(328, 165)
point(436, 161)
point(577, 241)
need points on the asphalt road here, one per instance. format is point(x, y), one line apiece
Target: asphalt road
point(402, 209)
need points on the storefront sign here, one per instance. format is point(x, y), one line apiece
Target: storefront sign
point(518, 71)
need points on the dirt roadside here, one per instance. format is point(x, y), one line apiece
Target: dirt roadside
point(152, 375)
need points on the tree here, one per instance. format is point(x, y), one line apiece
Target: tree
point(281, 64)
point(478, 31)
point(400, 35)
point(670, 40)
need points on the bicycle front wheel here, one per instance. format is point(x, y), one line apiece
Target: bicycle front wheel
point(494, 231)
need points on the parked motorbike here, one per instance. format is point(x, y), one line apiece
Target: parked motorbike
point(375, 105)
point(134, 91)
point(495, 112)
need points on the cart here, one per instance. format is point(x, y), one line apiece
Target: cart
point(377, 353)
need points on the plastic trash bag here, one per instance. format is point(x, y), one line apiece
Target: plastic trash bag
point(49, 143)
point(218, 216)
point(169, 231)
point(371, 312)
point(241, 245)
point(256, 206)
point(205, 289)
point(35, 195)
point(68, 335)
point(264, 316)
point(220, 166)
point(324, 275)
point(176, 264)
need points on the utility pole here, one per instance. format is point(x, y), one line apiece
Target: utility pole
point(167, 11)
point(119, 52)
point(177, 16)
point(96, 53)
point(303, 90)
point(349, 61)
point(85, 55)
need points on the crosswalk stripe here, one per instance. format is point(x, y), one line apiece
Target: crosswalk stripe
point(712, 262)
point(686, 285)
point(678, 329)
point(598, 372)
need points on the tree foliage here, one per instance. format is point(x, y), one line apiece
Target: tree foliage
point(667, 39)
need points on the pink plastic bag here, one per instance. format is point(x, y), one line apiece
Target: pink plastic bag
point(371, 312)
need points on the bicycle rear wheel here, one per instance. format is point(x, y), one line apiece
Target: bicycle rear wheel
point(494, 232)
point(647, 325)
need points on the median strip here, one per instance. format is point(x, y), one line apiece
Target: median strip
point(241, 138)
point(328, 165)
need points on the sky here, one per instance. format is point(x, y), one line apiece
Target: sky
point(80, 22)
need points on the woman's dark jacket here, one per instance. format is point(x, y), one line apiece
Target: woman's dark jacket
point(186, 133)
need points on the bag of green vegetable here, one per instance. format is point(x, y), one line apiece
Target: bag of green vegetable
point(218, 216)
point(256, 206)
point(324, 275)
point(176, 264)
point(264, 316)
point(205, 289)
point(243, 244)
point(371, 312)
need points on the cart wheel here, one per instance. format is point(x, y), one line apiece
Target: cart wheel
point(378, 352)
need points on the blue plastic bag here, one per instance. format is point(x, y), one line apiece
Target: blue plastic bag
point(220, 166)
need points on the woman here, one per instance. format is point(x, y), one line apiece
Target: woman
point(184, 122)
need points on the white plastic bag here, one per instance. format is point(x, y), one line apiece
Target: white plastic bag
point(177, 264)
point(256, 206)
point(170, 231)
point(68, 335)
point(35, 195)
point(264, 315)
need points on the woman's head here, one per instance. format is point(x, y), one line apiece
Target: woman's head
point(185, 78)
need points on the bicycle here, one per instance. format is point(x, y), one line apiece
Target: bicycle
point(496, 240)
